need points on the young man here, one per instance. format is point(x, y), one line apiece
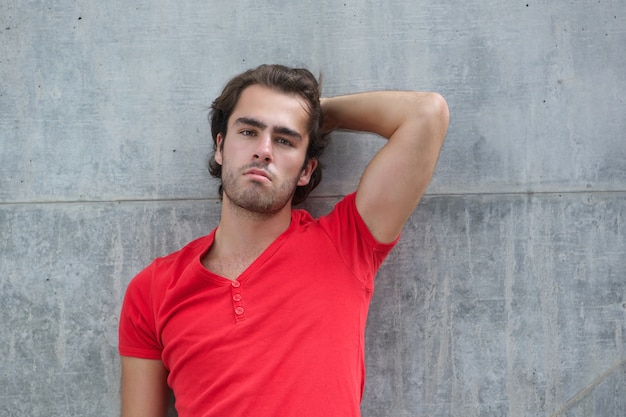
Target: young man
point(265, 316)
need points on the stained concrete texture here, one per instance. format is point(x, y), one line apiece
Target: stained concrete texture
point(506, 294)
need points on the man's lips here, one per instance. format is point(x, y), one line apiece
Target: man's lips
point(257, 175)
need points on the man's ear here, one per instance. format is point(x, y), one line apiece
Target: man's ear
point(218, 148)
point(307, 171)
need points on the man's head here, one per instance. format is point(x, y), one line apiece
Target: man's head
point(292, 81)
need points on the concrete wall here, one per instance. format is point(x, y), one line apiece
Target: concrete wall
point(507, 292)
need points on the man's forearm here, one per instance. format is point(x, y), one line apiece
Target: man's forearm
point(380, 112)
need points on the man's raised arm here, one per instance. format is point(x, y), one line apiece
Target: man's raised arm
point(415, 125)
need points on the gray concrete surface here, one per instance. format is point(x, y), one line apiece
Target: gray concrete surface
point(506, 295)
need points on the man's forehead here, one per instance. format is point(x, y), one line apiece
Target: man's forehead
point(262, 92)
point(270, 106)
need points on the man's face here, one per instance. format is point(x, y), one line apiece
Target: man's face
point(263, 153)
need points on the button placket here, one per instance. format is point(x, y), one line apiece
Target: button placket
point(237, 298)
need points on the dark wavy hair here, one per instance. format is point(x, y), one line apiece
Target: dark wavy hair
point(286, 80)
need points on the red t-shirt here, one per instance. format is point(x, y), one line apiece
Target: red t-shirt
point(284, 339)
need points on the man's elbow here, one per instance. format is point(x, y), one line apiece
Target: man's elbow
point(436, 109)
point(432, 115)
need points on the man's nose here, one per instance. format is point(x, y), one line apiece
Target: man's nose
point(264, 148)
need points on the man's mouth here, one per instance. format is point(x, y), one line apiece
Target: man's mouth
point(257, 174)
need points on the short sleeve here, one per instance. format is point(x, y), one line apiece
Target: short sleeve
point(361, 252)
point(137, 329)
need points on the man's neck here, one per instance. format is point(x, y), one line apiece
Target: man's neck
point(240, 229)
point(242, 236)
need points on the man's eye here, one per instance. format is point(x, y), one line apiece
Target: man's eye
point(283, 141)
point(247, 132)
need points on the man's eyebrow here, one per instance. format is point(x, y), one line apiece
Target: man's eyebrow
point(250, 121)
point(282, 130)
point(288, 132)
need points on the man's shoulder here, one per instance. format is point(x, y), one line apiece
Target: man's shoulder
point(164, 267)
point(312, 213)
point(195, 247)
